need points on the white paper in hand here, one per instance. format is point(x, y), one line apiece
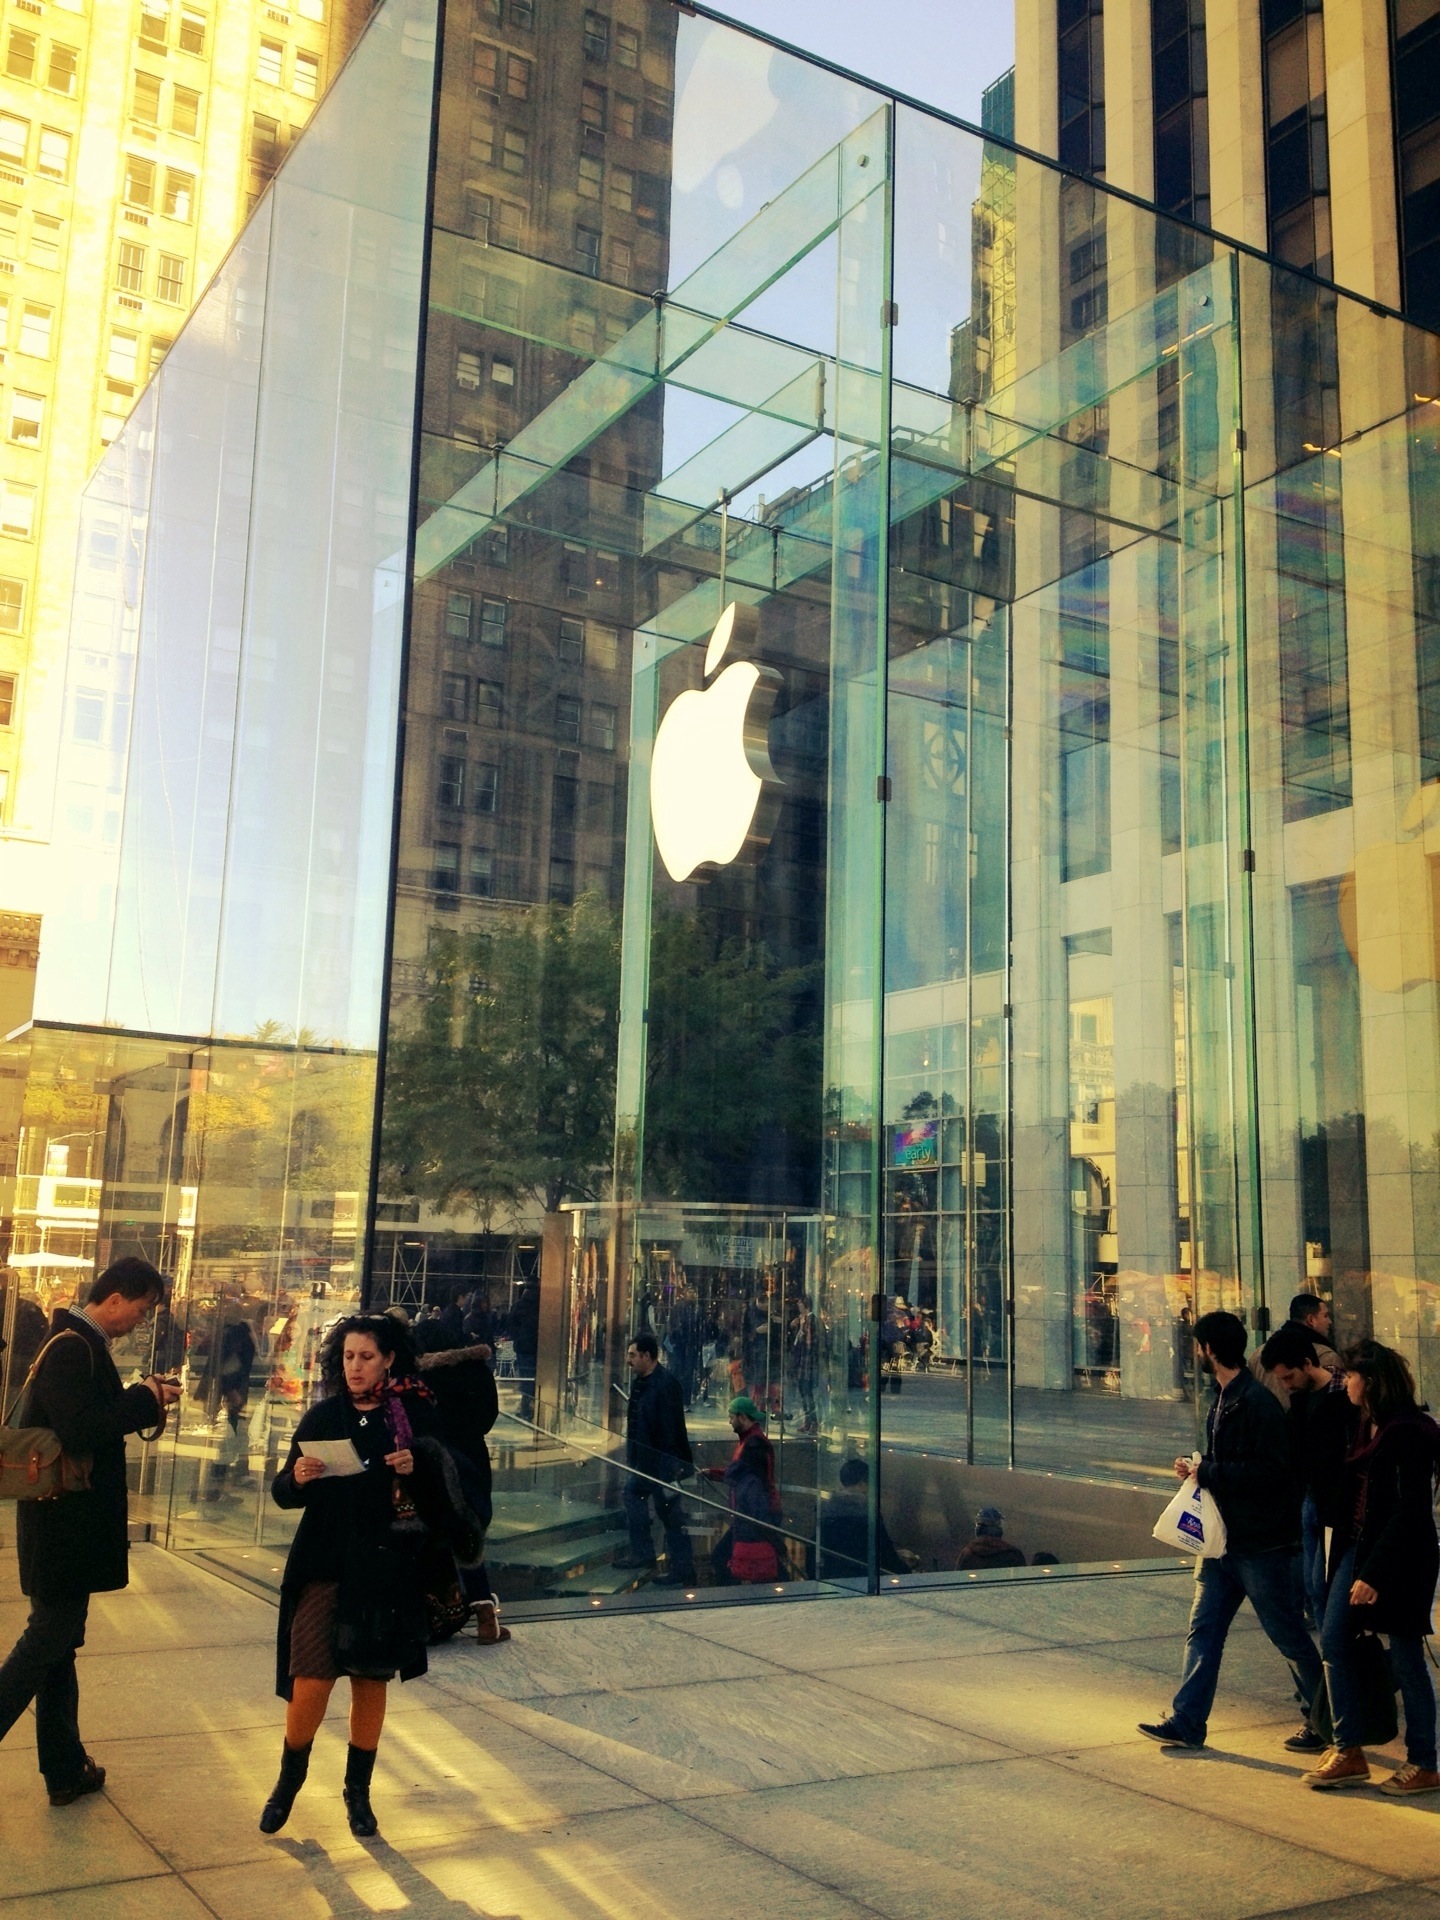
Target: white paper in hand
point(338, 1457)
point(1192, 1523)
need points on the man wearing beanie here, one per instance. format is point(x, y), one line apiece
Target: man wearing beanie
point(989, 1549)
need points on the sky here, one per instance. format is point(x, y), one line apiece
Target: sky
point(943, 52)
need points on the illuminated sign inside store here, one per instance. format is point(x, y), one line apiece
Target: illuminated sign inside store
point(918, 1144)
point(711, 763)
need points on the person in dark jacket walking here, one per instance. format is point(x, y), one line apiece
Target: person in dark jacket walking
point(77, 1544)
point(468, 1401)
point(352, 1594)
point(1384, 1562)
point(1246, 1467)
point(657, 1451)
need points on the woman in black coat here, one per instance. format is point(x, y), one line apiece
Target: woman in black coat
point(352, 1598)
point(1384, 1560)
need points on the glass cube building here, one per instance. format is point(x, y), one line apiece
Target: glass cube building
point(703, 700)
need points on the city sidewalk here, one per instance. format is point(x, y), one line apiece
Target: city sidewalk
point(951, 1753)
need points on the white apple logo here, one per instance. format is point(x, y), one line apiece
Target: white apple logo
point(710, 767)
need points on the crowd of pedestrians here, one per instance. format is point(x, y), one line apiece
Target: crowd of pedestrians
point(1322, 1465)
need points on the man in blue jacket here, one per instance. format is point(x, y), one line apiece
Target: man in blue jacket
point(1247, 1468)
point(657, 1450)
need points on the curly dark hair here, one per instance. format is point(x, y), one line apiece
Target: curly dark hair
point(390, 1335)
point(1389, 1383)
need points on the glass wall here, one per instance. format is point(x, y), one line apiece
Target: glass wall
point(916, 818)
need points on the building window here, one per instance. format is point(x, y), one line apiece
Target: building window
point(14, 138)
point(27, 417)
point(482, 872)
point(17, 510)
point(450, 781)
point(607, 571)
point(492, 622)
point(597, 38)
point(489, 703)
point(270, 63)
point(170, 278)
point(64, 69)
point(603, 645)
point(454, 696)
point(45, 231)
point(264, 142)
point(567, 719)
point(513, 150)
point(487, 789)
point(54, 156)
point(592, 177)
point(1297, 148)
point(522, 13)
point(622, 189)
point(477, 213)
point(562, 883)
point(482, 143)
point(7, 699)
point(564, 800)
point(517, 77)
point(587, 250)
point(179, 198)
point(139, 188)
point(9, 231)
point(122, 361)
point(306, 80)
point(457, 616)
point(311, 9)
point(509, 229)
point(495, 546)
point(146, 103)
point(130, 270)
point(575, 570)
point(20, 55)
point(184, 110)
point(192, 30)
point(1081, 28)
point(445, 870)
point(12, 605)
point(571, 643)
point(467, 371)
point(592, 106)
point(656, 113)
point(1415, 45)
point(36, 325)
point(602, 728)
point(502, 373)
point(154, 23)
point(623, 117)
point(1181, 107)
point(622, 261)
point(627, 48)
point(485, 67)
point(160, 345)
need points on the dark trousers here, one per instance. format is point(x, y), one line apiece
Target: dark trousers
point(1268, 1581)
point(669, 1509)
point(41, 1667)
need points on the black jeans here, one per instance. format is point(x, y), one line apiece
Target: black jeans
point(41, 1667)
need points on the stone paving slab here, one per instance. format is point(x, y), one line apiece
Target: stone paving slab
point(956, 1752)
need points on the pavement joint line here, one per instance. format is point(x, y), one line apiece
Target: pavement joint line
point(92, 1886)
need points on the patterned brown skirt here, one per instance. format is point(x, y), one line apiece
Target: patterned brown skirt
point(312, 1632)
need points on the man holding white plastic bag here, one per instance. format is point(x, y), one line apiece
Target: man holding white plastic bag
point(1246, 1468)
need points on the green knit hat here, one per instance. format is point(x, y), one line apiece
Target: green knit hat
point(742, 1403)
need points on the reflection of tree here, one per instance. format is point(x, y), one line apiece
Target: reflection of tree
point(500, 1086)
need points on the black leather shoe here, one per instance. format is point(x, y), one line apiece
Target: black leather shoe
point(1305, 1741)
point(92, 1779)
point(1167, 1733)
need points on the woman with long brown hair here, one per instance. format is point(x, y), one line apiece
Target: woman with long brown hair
point(352, 1597)
point(1384, 1561)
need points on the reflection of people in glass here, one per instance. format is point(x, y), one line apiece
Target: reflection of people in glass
point(746, 1551)
point(351, 1600)
point(805, 1363)
point(468, 1404)
point(989, 1548)
point(524, 1331)
point(227, 1396)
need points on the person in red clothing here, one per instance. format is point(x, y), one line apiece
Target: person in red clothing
point(747, 1551)
point(989, 1548)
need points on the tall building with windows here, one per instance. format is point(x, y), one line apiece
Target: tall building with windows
point(1309, 130)
point(135, 136)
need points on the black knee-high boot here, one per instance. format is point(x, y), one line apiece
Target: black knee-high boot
point(359, 1766)
point(294, 1765)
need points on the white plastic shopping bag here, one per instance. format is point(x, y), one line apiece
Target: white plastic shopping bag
point(1192, 1523)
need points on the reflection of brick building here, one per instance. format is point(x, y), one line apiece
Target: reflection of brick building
point(518, 690)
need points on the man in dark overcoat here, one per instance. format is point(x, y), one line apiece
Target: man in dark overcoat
point(78, 1543)
point(657, 1449)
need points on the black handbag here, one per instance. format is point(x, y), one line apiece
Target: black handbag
point(1375, 1685)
